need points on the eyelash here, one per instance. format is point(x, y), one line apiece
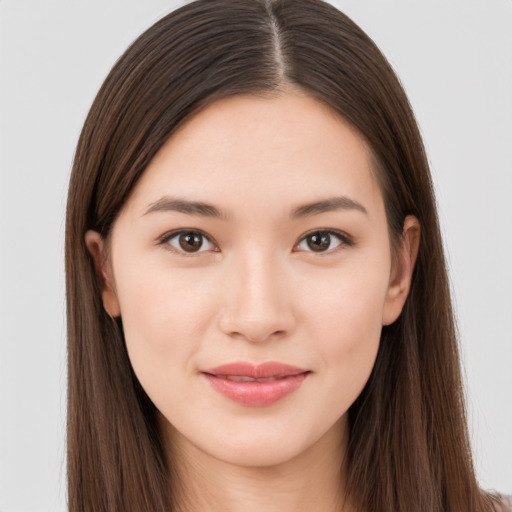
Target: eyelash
point(344, 239)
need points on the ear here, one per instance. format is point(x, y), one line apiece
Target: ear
point(402, 269)
point(96, 246)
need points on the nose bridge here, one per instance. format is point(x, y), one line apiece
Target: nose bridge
point(258, 303)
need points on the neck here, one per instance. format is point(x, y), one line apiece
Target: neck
point(313, 480)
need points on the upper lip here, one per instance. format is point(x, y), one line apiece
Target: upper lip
point(260, 371)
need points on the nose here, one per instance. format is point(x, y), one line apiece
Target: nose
point(258, 301)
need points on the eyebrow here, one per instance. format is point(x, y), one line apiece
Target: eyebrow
point(328, 205)
point(169, 204)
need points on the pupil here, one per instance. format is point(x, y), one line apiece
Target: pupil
point(319, 241)
point(190, 242)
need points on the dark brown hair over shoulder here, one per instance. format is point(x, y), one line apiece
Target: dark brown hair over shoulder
point(409, 447)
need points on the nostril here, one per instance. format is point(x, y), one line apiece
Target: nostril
point(256, 321)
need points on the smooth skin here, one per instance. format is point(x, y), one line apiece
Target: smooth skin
point(256, 284)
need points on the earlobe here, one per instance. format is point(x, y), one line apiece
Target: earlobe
point(96, 247)
point(403, 267)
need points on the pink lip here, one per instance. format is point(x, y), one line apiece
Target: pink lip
point(256, 393)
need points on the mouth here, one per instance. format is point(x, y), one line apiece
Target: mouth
point(242, 378)
point(255, 386)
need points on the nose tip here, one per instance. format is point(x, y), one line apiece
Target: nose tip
point(255, 329)
point(254, 332)
point(258, 305)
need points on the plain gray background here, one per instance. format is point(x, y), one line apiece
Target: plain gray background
point(455, 60)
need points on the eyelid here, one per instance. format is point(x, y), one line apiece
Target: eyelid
point(345, 239)
point(164, 239)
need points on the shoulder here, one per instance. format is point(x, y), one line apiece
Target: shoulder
point(503, 504)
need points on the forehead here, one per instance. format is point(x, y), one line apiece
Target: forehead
point(247, 151)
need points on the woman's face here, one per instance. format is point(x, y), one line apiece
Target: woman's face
point(256, 235)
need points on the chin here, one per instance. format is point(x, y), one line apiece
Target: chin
point(256, 454)
point(253, 444)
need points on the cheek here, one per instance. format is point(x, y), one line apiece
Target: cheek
point(348, 308)
point(163, 318)
point(346, 322)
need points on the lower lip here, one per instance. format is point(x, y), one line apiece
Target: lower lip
point(256, 394)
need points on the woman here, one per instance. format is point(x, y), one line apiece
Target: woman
point(258, 308)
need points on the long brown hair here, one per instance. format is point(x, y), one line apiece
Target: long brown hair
point(409, 447)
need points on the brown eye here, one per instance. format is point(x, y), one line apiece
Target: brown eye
point(189, 242)
point(322, 241)
point(319, 242)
